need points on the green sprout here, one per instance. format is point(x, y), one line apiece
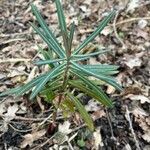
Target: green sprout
point(65, 73)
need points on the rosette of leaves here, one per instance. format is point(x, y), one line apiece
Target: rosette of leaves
point(66, 73)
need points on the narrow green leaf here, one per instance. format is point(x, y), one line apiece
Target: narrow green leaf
point(71, 34)
point(53, 84)
point(104, 71)
point(24, 88)
point(48, 95)
point(49, 42)
point(30, 85)
point(101, 67)
point(95, 92)
point(82, 111)
point(90, 54)
point(62, 25)
point(105, 78)
point(10, 91)
point(95, 33)
point(46, 55)
point(101, 77)
point(45, 28)
point(61, 17)
point(92, 93)
point(52, 74)
point(44, 62)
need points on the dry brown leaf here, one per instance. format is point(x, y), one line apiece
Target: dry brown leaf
point(30, 138)
point(98, 114)
point(11, 112)
point(92, 106)
point(64, 128)
point(132, 5)
point(98, 139)
point(110, 89)
point(146, 136)
point(143, 119)
point(141, 33)
point(106, 31)
point(133, 62)
point(142, 98)
point(2, 108)
point(137, 111)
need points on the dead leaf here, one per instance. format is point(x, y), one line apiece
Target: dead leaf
point(98, 114)
point(141, 33)
point(92, 106)
point(98, 139)
point(64, 128)
point(137, 111)
point(11, 112)
point(133, 62)
point(2, 108)
point(143, 119)
point(30, 138)
point(142, 23)
point(142, 98)
point(132, 5)
point(106, 31)
point(146, 136)
point(110, 89)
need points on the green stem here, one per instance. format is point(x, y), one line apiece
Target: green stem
point(63, 87)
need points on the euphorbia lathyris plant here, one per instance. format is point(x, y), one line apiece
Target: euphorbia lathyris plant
point(65, 72)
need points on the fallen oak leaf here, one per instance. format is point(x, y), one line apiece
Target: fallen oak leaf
point(30, 138)
point(11, 112)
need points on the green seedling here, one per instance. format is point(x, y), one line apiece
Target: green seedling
point(66, 74)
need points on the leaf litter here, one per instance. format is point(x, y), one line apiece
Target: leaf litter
point(133, 62)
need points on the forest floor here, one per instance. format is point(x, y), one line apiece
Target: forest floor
point(126, 126)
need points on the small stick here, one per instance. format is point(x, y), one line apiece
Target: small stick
point(14, 34)
point(18, 130)
point(132, 19)
point(14, 60)
point(13, 40)
point(110, 124)
point(24, 119)
point(115, 30)
point(131, 128)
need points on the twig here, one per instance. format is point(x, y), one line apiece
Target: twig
point(110, 124)
point(24, 119)
point(131, 20)
point(45, 120)
point(77, 128)
point(32, 119)
point(115, 30)
point(70, 139)
point(48, 140)
point(131, 128)
point(14, 34)
point(18, 130)
point(39, 146)
point(13, 40)
point(70, 146)
point(14, 60)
